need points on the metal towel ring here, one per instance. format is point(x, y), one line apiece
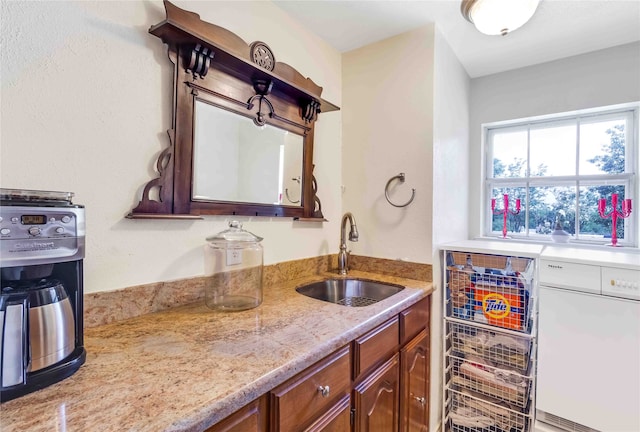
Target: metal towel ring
point(286, 192)
point(386, 191)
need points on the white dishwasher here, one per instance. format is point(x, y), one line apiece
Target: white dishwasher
point(589, 340)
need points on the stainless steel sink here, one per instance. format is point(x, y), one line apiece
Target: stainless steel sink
point(349, 292)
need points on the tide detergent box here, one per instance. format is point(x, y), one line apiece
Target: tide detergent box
point(502, 302)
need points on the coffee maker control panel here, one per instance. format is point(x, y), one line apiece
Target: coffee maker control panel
point(31, 235)
point(22, 223)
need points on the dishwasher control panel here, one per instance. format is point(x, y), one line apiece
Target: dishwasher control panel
point(573, 276)
point(623, 283)
point(590, 278)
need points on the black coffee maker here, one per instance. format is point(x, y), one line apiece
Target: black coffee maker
point(42, 244)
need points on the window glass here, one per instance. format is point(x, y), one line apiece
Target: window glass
point(560, 170)
point(551, 204)
point(553, 151)
point(602, 147)
point(509, 154)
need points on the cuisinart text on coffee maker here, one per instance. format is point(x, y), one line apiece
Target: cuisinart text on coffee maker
point(233, 269)
point(42, 244)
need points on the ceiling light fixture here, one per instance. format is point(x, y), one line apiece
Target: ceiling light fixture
point(498, 17)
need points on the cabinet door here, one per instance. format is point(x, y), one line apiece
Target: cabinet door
point(414, 400)
point(337, 419)
point(251, 418)
point(377, 399)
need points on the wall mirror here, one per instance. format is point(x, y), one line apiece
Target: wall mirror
point(241, 142)
point(236, 161)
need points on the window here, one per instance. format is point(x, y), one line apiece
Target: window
point(559, 169)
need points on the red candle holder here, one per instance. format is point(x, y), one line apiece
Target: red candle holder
point(505, 211)
point(614, 214)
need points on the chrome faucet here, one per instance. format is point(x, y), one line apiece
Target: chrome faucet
point(343, 255)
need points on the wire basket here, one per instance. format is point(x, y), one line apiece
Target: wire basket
point(501, 385)
point(469, 412)
point(496, 296)
point(494, 347)
point(483, 260)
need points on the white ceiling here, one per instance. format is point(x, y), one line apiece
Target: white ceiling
point(559, 28)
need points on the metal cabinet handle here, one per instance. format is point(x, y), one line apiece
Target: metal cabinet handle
point(420, 400)
point(324, 390)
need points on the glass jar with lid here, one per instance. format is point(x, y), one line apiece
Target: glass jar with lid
point(233, 269)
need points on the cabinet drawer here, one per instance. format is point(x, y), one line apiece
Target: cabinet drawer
point(414, 319)
point(376, 346)
point(300, 400)
point(251, 418)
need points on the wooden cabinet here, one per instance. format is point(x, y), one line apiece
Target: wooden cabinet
point(414, 384)
point(376, 375)
point(395, 395)
point(298, 402)
point(415, 367)
point(376, 399)
point(377, 383)
point(251, 418)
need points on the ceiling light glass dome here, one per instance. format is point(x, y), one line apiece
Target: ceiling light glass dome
point(498, 17)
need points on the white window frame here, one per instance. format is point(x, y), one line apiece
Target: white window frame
point(629, 179)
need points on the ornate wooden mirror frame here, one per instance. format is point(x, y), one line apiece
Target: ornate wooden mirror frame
point(214, 65)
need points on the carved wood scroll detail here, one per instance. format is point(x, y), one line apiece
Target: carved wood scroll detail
point(317, 205)
point(163, 183)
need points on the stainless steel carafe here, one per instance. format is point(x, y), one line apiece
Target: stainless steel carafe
point(38, 327)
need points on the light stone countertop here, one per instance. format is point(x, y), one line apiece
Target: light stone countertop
point(186, 368)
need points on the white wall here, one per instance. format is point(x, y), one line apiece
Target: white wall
point(450, 214)
point(86, 101)
point(451, 146)
point(388, 129)
point(601, 78)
